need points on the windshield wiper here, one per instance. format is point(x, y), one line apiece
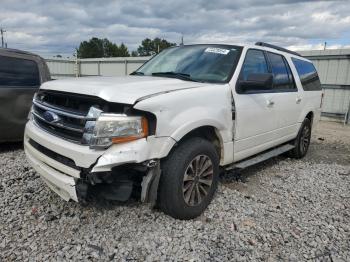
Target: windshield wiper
point(137, 73)
point(182, 76)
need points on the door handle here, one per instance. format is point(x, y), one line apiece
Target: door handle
point(270, 103)
point(298, 100)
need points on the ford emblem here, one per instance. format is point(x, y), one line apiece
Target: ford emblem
point(51, 117)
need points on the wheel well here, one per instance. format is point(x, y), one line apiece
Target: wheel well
point(310, 116)
point(208, 133)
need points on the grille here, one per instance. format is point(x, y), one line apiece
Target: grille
point(65, 114)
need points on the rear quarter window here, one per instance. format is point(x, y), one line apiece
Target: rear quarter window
point(307, 74)
point(18, 72)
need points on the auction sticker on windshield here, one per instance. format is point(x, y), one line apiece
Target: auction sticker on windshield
point(217, 50)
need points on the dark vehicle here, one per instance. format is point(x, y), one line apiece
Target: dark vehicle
point(21, 74)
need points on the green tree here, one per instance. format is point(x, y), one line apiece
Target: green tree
point(96, 48)
point(134, 53)
point(123, 51)
point(91, 49)
point(150, 47)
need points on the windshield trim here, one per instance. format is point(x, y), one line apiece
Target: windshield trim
point(229, 76)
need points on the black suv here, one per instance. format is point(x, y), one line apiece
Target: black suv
point(21, 74)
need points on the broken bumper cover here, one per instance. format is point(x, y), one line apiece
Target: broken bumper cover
point(59, 182)
point(63, 179)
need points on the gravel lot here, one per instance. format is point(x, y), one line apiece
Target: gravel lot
point(283, 209)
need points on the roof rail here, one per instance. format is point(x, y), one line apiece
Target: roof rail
point(277, 48)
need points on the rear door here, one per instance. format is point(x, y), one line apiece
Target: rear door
point(255, 123)
point(19, 79)
point(288, 100)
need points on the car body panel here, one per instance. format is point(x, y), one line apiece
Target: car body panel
point(15, 101)
point(259, 127)
point(181, 112)
point(15, 104)
point(124, 89)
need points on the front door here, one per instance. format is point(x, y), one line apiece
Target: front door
point(256, 121)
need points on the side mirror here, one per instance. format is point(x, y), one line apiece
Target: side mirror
point(255, 82)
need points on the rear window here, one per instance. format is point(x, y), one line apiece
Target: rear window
point(308, 75)
point(18, 72)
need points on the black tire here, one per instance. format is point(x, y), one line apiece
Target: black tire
point(302, 141)
point(192, 154)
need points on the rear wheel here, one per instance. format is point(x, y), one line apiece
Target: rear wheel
point(302, 141)
point(189, 179)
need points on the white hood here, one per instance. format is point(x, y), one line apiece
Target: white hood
point(127, 89)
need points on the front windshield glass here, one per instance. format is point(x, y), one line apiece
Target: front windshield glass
point(203, 63)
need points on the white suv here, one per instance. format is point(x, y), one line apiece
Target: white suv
point(167, 131)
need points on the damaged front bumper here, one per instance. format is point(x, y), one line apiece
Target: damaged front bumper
point(51, 172)
point(66, 166)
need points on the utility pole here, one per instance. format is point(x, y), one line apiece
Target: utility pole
point(182, 40)
point(325, 46)
point(2, 31)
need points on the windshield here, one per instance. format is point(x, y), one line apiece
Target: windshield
point(203, 63)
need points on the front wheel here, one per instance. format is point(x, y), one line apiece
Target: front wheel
point(302, 141)
point(189, 179)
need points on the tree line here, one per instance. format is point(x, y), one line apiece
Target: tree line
point(97, 47)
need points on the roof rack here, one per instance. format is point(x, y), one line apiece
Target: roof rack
point(277, 48)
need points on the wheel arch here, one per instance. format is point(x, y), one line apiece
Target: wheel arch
point(208, 132)
point(310, 116)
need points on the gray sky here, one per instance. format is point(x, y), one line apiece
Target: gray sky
point(57, 27)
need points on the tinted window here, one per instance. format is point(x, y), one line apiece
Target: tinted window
point(18, 72)
point(254, 63)
point(282, 76)
point(307, 74)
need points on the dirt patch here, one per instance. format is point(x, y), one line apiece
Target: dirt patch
point(330, 144)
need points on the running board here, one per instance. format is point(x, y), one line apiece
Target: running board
point(261, 157)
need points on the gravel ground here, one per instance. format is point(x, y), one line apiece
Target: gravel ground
point(283, 209)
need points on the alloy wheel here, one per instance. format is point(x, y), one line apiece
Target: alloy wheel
point(305, 139)
point(198, 179)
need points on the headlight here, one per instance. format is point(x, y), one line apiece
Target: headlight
point(112, 129)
